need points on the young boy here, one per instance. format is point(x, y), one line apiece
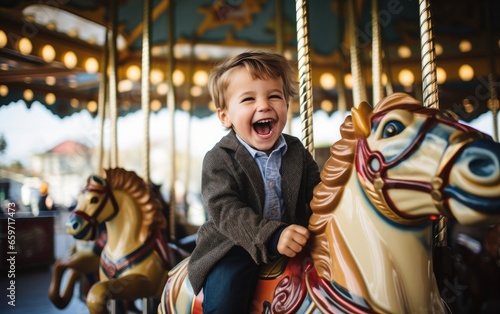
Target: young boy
point(256, 182)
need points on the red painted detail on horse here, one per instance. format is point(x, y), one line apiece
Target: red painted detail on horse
point(197, 306)
point(165, 304)
point(106, 190)
point(291, 291)
point(286, 292)
point(322, 292)
point(161, 247)
point(93, 219)
point(363, 152)
point(365, 156)
point(100, 242)
point(153, 243)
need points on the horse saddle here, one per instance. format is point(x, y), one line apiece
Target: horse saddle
point(274, 269)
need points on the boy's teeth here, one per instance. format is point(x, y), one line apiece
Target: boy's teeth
point(263, 127)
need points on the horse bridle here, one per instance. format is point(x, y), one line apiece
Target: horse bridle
point(92, 219)
point(373, 169)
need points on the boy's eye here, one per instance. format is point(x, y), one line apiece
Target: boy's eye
point(275, 96)
point(247, 99)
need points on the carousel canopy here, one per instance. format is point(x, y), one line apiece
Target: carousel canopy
point(53, 51)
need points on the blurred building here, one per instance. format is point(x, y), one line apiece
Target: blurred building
point(65, 167)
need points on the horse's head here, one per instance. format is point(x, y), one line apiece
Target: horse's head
point(415, 162)
point(96, 204)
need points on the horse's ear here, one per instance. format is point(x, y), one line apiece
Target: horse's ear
point(361, 119)
point(96, 180)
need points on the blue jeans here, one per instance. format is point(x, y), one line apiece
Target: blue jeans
point(230, 285)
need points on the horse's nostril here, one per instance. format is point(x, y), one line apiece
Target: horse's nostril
point(482, 158)
point(482, 166)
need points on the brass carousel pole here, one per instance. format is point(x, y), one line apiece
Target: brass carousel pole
point(113, 103)
point(378, 89)
point(171, 109)
point(145, 105)
point(342, 96)
point(428, 54)
point(305, 85)
point(493, 103)
point(103, 96)
point(280, 48)
point(113, 98)
point(430, 94)
point(192, 60)
point(389, 90)
point(358, 85)
point(145, 85)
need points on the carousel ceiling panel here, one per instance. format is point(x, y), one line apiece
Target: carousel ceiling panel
point(465, 32)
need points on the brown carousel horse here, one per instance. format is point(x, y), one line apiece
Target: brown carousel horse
point(396, 168)
point(136, 257)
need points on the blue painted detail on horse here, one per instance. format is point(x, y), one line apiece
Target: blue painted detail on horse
point(83, 233)
point(485, 205)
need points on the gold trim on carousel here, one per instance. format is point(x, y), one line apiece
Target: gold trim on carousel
point(437, 196)
point(376, 196)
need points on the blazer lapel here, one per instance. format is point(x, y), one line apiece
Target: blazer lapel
point(247, 165)
point(291, 172)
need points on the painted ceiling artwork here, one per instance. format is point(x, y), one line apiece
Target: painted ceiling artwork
point(54, 51)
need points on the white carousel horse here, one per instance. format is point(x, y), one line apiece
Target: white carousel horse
point(135, 259)
point(397, 167)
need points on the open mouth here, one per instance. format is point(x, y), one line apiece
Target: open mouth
point(264, 127)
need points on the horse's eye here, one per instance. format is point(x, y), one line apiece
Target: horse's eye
point(94, 200)
point(392, 128)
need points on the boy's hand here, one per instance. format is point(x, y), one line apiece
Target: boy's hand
point(292, 240)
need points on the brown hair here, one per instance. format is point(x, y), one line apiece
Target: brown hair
point(261, 65)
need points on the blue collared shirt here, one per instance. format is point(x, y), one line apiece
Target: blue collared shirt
point(270, 169)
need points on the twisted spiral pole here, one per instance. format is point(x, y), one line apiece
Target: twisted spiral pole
point(304, 64)
point(171, 108)
point(102, 101)
point(493, 102)
point(358, 84)
point(428, 54)
point(113, 91)
point(493, 105)
point(429, 88)
point(145, 84)
point(378, 89)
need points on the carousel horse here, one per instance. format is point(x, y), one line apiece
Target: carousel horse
point(83, 263)
point(136, 258)
point(81, 266)
point(397, 167)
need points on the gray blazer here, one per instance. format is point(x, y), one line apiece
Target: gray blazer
point(233, 196)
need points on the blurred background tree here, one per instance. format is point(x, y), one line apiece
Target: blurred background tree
point(3, 144)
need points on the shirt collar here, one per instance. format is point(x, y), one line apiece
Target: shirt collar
point(280, 145)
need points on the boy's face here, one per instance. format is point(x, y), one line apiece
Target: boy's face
point(255, 109)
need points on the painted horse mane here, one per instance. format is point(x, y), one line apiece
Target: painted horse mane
point(134, 186)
